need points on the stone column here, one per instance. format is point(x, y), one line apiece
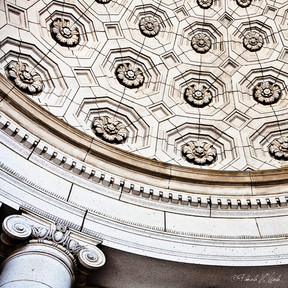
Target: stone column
point(37, 265)
point(44, 256)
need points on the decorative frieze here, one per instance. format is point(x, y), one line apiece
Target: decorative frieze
point(24, 77)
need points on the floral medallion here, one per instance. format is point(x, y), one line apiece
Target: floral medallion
point(205, 4)
point(201, 43)
point(103, 1)
point(200, 153)
point(149, 26)
point(64, 33)
point(267, 92)
point(198, 96)
point(24, 77)
point(253, 41)
point(244, 3)
point(279, 148)
point(110, 129)
point(129, 75)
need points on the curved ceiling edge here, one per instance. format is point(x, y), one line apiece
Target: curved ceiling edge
point(125, 164)
point(117, 233)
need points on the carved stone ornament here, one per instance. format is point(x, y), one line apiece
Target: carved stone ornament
point(201, 43)
point(244, 3)
point(64, 33)
point(267, 92)
point(149, 26)
point(200, 153)
point(24, 77)
point(91, 258)
point(253, 41)
point(205, 4)
point(18, 227)
point(103, 1)
point(198, 96)
point(279, 148)
point(58, 234)
point(110, 129)
point(129, 75)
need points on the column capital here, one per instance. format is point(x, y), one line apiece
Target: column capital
point(21, 229)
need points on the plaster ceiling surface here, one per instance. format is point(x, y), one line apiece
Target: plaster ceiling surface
point(199, 83)
point(194, 83)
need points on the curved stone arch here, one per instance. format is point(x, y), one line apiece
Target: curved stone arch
point(138, 201)
point(210, 178)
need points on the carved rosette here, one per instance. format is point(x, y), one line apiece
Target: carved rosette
point(200, 153)
point(279, 148)
point(198, 96)
point(103, 1)
point(205, 4)
point(110, 129)
point(253, 41)
point(129, 75)
point(64, 33)
point(244, 3)
point(267, 92)
point(149, 26)
point(201, 43)
point(24, 77)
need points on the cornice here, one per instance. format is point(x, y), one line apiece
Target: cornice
point(100, 168)
point(104, 156)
